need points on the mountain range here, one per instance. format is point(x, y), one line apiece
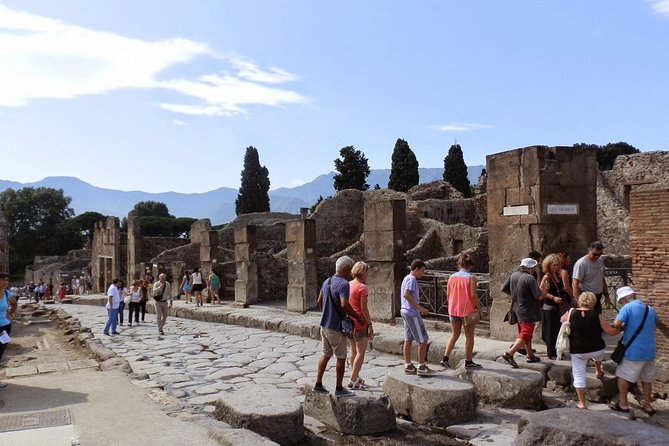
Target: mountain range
point(218, 205)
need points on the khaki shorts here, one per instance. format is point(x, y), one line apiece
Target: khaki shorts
point(334, 342)
point(633, 371)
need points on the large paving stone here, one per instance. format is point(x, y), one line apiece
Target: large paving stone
point(439, 400)
point(366, 413)
point(237, 437)
point(504, 386)
point(270, 412)
point(574, 427)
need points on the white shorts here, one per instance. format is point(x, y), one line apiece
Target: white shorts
point(633, 371)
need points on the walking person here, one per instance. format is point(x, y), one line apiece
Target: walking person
point(585, 341)
point(526, 298)
point(135, 293)
point(550, 314)
point(146, 283)
point(185, 286)
point(414, 328)
point(362, 328)
point(122, 291)
point(335, 291)
point(588, 275)
point(113, 300)
point(463, 300)
point(8, 307)
point(197, 283)
point(162, 293)
point(638, 364)
point(214, 287)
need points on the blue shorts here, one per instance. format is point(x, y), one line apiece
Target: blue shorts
point(414, 329)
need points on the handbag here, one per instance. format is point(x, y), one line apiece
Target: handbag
point(511, 317)
point(562, 344)
point(619, 352)
point(159, 297)
point(346, 322)
point(126, 299)
point(472, 318)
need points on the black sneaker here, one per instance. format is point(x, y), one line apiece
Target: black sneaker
point(444, 364)
point(472, 365)
point(410, 369)
point(319, 388)
point(344, 393)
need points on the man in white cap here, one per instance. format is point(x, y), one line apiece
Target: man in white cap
point(638, 363)
point(525, 298)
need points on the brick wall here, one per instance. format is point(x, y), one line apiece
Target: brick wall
point(649, 238)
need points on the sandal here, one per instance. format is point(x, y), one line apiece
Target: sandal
point(617, 408)
point(650, 411)
point(508, 358)
point(532, 359)
point(357, 384)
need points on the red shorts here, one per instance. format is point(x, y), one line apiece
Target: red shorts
point(525, 331)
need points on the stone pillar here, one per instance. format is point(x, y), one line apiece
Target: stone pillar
point(246, 285)
point(135, 268)
point(383, 241)
point(302, 285)
point(4, 245)
point(539, 198)
point(208, 250)
point(649, 227)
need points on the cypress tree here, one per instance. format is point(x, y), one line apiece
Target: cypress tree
point(404, 167)
point(455, 170)
point(353, 169)
point(253, 193)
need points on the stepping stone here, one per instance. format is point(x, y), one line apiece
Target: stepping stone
point(440, 400)
point(501, 385)
point(265, 410)
point(368, 412)
point(568, 426)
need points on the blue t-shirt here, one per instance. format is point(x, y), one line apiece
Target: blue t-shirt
point(339, 289)
point(4, 307)
point(643, 347)
point(411, 284)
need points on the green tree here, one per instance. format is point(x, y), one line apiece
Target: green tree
point(353, 169)
point(87, 220)
point(151, 209)
point(315, 205)
point(404, 167)
point(455, 170)
point(254, 191)
point(39, 222)
point(607, 154)
point(165, 226)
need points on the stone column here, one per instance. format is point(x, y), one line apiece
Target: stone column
point(135, 269)
point(246, 285)
point(383, 241)
point(302, 286)
point(539, 198)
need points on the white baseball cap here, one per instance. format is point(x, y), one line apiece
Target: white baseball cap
point(623, 293)
point(528, 263)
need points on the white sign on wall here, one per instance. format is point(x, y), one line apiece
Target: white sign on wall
point(516, 210)
point(562, 209)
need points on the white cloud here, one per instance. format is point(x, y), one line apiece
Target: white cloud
point(178, 122)
point(660, 7)
point(44, 58)
point(461, 127)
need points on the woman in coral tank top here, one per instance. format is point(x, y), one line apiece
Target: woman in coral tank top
point(357, 297)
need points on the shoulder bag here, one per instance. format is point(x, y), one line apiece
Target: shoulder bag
point(562, 344)
point(346, 322)
point(159, 297)
point(619, 352)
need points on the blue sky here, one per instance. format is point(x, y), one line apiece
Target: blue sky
point(159, 95)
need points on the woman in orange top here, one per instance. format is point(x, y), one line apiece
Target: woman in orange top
point(357, 297)
point(462, 300)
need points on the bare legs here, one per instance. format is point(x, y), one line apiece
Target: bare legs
point(456, 329)
point(358, 349)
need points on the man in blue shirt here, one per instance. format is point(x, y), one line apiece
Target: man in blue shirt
point(639, 360)
point(335, 292)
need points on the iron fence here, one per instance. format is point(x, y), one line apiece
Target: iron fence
point(433, 292)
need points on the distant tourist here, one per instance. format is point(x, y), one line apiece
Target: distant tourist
point(588, 275)
point(214, 286)
point(162, 293)
point(568, 292)
point(362, 328)
point(638, 364)
point(585, 341)
point(62, 290)
point(122, 290)
point(146, 284)
point(8, 307)
point(113, 300)
point(526, 297)
point(463, 300)
point(135, 293)
point(550, 314)
point(414, 328)
point(197, 285)
point(184, 286)
point(333, 299)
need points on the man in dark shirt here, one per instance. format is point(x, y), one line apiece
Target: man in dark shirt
point(526, 296)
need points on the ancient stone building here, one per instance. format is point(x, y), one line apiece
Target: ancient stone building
point(649, 215)
point(109, 255)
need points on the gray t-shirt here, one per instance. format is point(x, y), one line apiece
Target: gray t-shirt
point(590, 273)
point(524, 290)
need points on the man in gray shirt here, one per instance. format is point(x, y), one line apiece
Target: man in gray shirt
point(588, 275)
